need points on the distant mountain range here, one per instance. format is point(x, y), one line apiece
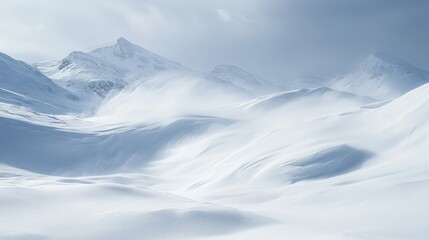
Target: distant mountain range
point(110, 69)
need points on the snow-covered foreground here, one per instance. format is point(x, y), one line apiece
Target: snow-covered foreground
point(177, 154)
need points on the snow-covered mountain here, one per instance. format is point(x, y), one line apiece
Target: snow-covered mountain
point(83, 73)
point(406, 115)
point(382, 76)
point(137, 62)
point(23, 85)
point(107, 69)
point(114, 67)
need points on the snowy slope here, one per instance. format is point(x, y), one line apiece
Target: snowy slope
point(112, 210)
point(171, 95)
point(405, 117)
point(23, 85)
point(382, 76)
point(312, 97)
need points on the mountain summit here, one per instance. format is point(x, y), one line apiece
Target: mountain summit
point(382, 76)
point(124, 49)
point(107, 69)
point(134, 58)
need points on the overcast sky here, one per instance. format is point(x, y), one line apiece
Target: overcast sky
point(275, 38)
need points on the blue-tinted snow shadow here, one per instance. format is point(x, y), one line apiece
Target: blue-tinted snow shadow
point(52, 151)
point(328, 163)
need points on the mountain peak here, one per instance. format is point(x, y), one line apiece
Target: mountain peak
point(124, 48)
point(380, 58)
point(382, 63)
point(132, 58)
point(124, 43)
point(122, 40)
point(382, 76)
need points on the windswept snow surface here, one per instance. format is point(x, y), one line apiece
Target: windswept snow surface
point(177, 154)
point(242, 79)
